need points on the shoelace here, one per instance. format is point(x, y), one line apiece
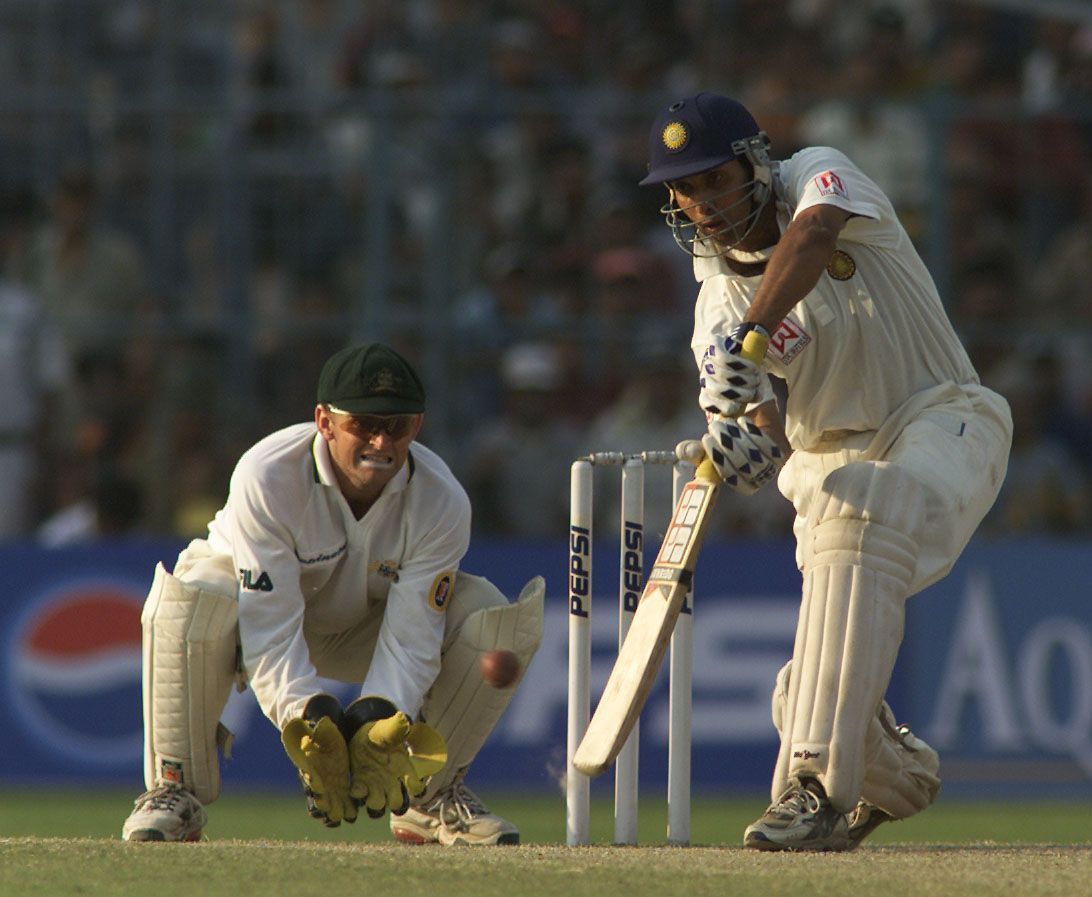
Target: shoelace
point(162, 798)
point(796, 800)
point(460, 800)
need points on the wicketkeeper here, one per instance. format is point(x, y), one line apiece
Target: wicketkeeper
point(335, 557)
point(891, 450)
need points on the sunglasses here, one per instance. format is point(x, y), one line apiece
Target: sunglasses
point(367, 426)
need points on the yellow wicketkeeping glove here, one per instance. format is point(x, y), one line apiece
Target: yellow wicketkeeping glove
point(390, 759)
point(316, 745)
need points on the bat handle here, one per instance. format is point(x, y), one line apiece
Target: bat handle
point(706, 471)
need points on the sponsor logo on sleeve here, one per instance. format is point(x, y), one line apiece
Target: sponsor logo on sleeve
point(830, 184)
point(440, 594)
point(788, 341)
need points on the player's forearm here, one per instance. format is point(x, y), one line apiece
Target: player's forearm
point(802, 255)
point(767, 418)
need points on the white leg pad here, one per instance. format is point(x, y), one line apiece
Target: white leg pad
point(190, 637)
point(460, 705)
point(857, 575)
point(901, 770)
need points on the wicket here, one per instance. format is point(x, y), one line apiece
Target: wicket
point(631, 583)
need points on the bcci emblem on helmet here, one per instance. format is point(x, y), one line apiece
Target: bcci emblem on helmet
point(675, 136)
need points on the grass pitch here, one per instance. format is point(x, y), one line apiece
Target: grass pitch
point(61, 843)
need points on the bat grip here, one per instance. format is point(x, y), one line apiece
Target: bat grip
point(706, 471)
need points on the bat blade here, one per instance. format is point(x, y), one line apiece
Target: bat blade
point(643, 650)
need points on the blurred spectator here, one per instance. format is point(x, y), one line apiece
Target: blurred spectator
point(34, 373)
point(266, 77)
point(516, 465)
point(868, 116)
point(113, 507)
point(1058, 66)
point(507, 306)
point(630, 309)
point(90, 278)
point(1061, 283)
point(1046, 490)
point(656, 408)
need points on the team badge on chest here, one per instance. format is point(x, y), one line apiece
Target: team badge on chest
point(841, 265)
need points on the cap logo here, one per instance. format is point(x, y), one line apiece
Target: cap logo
point(384, 380)
point(675, 136)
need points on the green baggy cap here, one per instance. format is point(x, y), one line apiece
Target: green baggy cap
point(372, 379)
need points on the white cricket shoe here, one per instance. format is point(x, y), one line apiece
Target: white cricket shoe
point(454, 816)
point(166, 813)
point(800, 819)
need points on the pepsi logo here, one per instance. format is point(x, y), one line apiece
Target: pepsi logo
point(75, 673)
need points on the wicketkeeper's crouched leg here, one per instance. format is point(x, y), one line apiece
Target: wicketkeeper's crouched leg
point(190, 639)
point(464, 709)
point(190, 643)
point(460, 705)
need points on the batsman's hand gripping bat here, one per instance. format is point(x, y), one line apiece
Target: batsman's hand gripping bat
point(650, 631)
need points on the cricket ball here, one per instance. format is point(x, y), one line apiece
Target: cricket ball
point(499, 668)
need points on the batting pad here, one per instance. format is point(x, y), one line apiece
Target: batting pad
point(901, 770)
point(189, 638)
point(460, 705)
point(859, 566)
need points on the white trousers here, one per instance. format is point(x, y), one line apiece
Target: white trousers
point(957, 448)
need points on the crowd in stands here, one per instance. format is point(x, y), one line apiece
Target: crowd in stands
point(198, 209)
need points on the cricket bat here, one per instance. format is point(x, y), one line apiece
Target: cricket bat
point(643, 650)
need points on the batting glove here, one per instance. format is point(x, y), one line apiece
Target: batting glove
point(731, 370)
point(315, 744)
point(390, 758)
point(745, 457)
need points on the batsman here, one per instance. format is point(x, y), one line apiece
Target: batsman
point(886, 443)
point(336, 557)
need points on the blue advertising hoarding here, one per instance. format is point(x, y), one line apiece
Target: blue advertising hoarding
point(995, 672)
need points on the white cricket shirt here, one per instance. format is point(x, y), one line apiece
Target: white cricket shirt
point(303, 559)
point(870, 335)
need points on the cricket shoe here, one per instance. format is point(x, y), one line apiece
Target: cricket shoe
point(802, 818)
point(863, 820)
point(455, 815)
point(166, 813)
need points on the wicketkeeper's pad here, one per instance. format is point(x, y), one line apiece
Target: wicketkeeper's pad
point(460, 705)
point(189, 665)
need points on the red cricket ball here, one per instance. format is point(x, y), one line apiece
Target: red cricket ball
point(499, 668)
